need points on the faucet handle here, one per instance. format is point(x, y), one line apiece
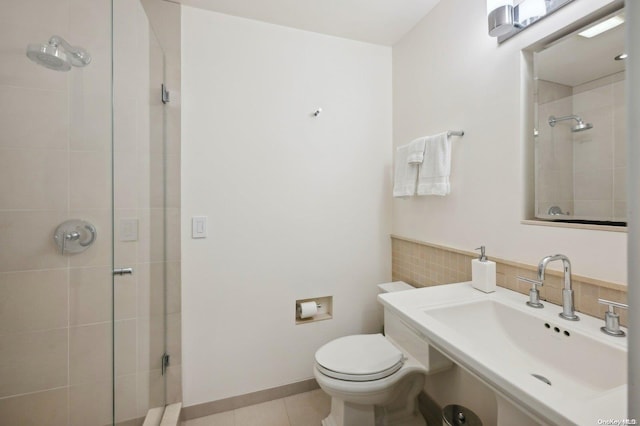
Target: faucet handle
point(611, 318)
point(534, 294)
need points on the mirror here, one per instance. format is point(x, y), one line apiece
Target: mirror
point(580, 125)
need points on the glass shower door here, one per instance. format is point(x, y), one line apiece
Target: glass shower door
point(139, 215)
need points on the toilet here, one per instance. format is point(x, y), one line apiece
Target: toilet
point(370, 380)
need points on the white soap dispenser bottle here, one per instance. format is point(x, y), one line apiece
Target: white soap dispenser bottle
point(483, 273)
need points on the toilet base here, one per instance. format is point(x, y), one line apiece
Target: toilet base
point(350, 414)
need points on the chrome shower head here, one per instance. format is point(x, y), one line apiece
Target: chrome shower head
point(553, 120)
point(58, 55)
point(581, 126)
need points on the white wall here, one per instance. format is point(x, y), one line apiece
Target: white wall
point(298, 206)
point(449, 74)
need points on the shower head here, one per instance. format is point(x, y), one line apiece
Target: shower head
point(581, 126)
point(553, 120)
point(58, 55)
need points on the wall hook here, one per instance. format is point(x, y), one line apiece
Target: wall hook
point(317, 112)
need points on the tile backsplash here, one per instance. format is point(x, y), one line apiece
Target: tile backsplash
point(422, 264)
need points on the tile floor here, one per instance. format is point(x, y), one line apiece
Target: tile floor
point(304, 409)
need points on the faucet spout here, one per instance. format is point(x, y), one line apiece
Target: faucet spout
point(568, 310)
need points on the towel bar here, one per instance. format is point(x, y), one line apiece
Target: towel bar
point(455, 133)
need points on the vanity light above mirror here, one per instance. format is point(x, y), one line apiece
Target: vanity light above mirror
point(507, 18)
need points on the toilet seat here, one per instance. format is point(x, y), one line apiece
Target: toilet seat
point(359, 358)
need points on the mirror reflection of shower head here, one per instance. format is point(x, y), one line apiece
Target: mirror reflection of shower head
point(577, 128)
point(58, 55)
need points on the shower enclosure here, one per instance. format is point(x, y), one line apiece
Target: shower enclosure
point(89, 215)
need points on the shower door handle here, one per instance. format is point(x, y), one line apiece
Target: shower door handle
point(123, 271)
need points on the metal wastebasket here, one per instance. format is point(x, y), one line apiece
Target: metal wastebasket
point(457, 415)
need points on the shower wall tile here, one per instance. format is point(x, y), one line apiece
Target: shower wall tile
point(125, 172)
point(125, 344)
point(24, 22)
point(596, 209)
point(88, 24)
point(157, 234)
point(126, 47)
point(143, 289)
point(90, 116)
point(173, 234)
point(150, 391)
point(151, 343)
point(144, 235)
point(126, 397)
point(593, 186)
point(124, 293)
point(174, 337)
point(174, 384)
point(90, 348)
point(90, 404)
point(172, 189)
point(33, 361)
point(46, 187)
point(47, 408)
point(33, 118)
point(124, 124)
point(91, 177)
point(144, 180)
point(90, 292)
point(89, 295)
point(30, 236)
point(174, 302)
point(33, 300)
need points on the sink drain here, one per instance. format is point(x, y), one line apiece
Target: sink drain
point(542, 379)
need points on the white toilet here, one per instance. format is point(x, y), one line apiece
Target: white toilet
point(370, 380)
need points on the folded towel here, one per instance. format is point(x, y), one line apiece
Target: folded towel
point(433, 173)
point(416, 151)
point(405, 174)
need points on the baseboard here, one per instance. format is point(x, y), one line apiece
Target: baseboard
point(235, 402)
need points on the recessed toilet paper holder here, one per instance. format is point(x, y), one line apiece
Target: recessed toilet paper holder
point(313, 309)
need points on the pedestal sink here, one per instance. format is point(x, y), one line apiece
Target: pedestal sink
point(555, 371)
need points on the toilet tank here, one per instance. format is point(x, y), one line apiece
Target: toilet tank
point(394, 286)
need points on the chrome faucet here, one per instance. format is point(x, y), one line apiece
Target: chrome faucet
point(568, 311)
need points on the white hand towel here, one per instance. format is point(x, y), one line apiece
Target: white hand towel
point(416, 151)
point(433, 173)
point(405, 174)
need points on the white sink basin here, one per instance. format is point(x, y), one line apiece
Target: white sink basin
point(581, 372)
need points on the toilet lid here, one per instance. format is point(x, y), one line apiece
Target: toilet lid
point(361, 357)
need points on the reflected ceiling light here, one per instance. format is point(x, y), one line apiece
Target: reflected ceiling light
point(500, 17)
point(603, 26)
point(621, 57)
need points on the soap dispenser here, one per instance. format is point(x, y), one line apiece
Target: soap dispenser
point(483, 273)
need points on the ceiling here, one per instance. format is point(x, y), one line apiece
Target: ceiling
point(577, 60)
point(374, 21)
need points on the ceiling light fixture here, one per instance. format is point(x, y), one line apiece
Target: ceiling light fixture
point(500, 17)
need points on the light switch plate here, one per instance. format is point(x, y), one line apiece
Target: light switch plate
point(199, 227)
